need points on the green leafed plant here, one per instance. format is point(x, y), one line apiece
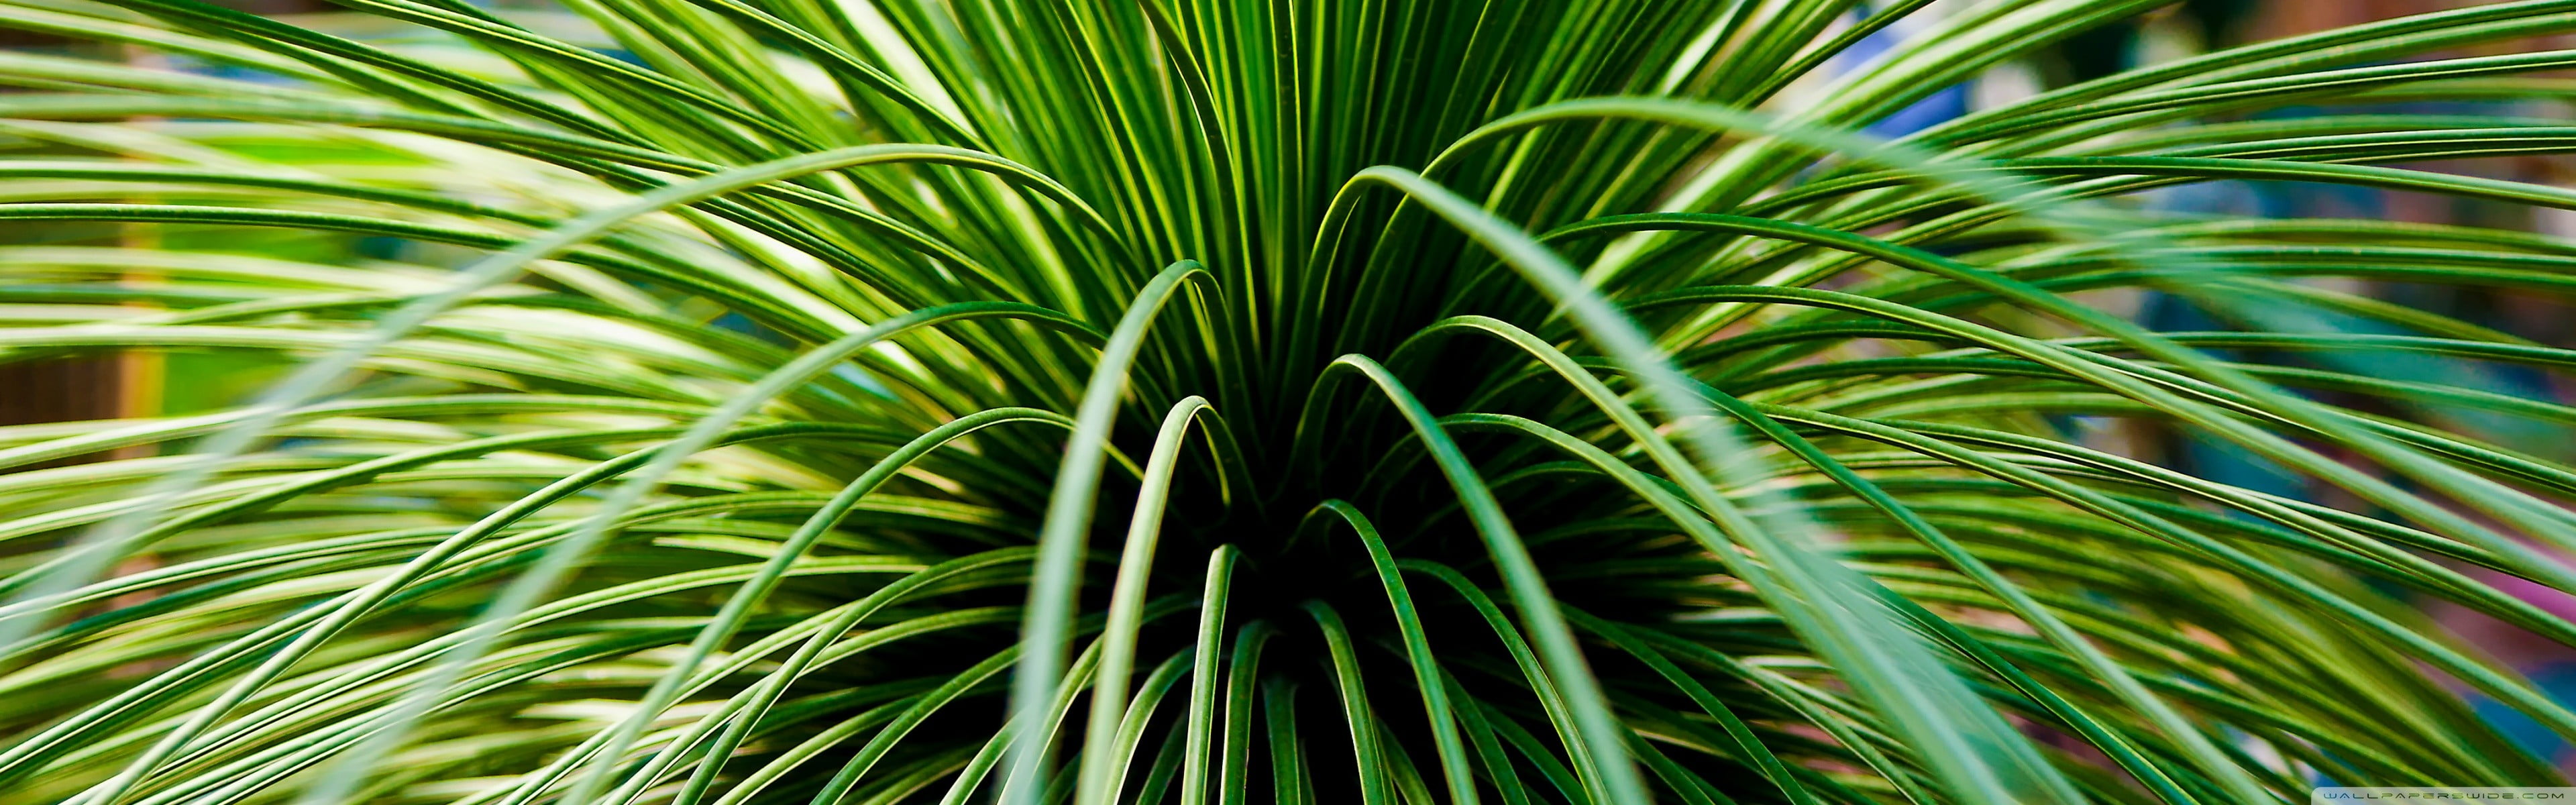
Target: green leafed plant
point(719, 402)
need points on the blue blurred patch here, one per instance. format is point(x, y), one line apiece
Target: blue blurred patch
point(2555, 679)
point(1949, 102)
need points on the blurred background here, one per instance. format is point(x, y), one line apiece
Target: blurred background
point(36, 388)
